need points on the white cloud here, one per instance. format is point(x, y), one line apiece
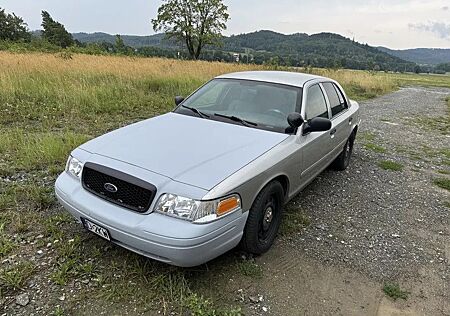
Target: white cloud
point(440, 29)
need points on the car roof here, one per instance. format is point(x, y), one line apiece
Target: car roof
point(296, 79)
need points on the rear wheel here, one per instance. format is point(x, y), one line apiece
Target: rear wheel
point(264, 219)
point(343, 160)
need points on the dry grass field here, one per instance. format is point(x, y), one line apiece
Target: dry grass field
point(51, 103)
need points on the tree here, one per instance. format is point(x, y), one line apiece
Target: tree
point(417, 69)
point(194, 22)
point(55, 32)
point(120, 46)
point(12, 27)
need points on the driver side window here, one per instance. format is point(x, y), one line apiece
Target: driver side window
point(316, 105)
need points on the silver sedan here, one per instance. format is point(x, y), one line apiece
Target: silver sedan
point(189, 185)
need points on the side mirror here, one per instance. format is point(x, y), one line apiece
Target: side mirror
point(295, 120)
point(318, 124)
point(178, 100)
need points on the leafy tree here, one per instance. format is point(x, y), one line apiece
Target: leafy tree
point(54, 32)
point(417, 69)
point(120, 46)
point(12, 27)
point(195, 22)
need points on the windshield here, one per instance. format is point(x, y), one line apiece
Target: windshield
point(250, 103)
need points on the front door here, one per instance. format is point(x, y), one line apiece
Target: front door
point(316, 145)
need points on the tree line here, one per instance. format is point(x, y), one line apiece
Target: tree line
point(194, 28)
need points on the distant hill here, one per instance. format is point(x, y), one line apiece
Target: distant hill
point(423, 56)
point(320, 50)
point(134, 41)
point(323, 48)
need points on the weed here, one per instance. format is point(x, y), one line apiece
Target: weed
point(394, 291)
point(390, 165)
point(366, 136)
point(443, 183)
point(6, 244)
point(294, 220)
point(54, 226)
point(375, 148)
point(199, 306)
point(15, 277)
point(250, 268)
point(58, 311)
point(72, 262)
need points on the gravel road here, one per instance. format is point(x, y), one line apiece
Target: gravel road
point(369, 225)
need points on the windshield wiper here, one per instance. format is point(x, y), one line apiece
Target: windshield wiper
point(200, 113)
point(236, 119)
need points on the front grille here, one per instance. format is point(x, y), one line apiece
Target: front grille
point(117, 187)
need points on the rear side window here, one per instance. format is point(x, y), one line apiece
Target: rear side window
point(337, 102)
point(315, 103)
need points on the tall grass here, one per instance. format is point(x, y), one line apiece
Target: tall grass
point(49, 104)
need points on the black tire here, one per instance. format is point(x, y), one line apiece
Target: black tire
point(343, 160)
point(264, 219)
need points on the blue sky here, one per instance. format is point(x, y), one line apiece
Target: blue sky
point(395, 23)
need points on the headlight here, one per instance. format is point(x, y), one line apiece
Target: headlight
point(194, 210)
point(74, 167)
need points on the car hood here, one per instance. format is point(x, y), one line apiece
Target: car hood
point(187, 149)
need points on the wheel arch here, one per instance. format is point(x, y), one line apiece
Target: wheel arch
point(284, 181)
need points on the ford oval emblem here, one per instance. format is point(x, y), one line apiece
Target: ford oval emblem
point(110, 187)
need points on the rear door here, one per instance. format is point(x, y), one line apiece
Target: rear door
point(341, 126)
point(315, 145)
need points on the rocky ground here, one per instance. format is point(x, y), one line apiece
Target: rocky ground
point(348, 235)
point(370, 226)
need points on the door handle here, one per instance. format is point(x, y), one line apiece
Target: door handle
point(333, 132)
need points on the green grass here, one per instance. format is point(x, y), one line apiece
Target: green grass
point(375, 148)
point(394, 291)
point(28, 151)
point(425, 80)
point(250, 268)
point(58, 311)
point(199, 306)
point(390, 165)
point(294, 220)
point(15, 277)
point(443, 183)
point(366, 136)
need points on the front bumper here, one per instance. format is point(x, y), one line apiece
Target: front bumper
point(154, 235)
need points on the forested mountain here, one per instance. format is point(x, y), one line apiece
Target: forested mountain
point(319, 50)
point(323, 49)
point(423, 56)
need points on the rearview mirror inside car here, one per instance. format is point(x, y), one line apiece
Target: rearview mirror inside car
point(295, 119)
point(178, 100)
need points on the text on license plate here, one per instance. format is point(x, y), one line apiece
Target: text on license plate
point(96, 229)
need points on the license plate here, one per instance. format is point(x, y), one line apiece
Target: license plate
point(96, 229)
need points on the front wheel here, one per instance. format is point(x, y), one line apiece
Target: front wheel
point(264, 219)
point(343, 160)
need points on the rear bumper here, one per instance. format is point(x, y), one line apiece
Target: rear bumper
point(154, 235)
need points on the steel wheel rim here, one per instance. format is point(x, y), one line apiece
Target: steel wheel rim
point(268, 218)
